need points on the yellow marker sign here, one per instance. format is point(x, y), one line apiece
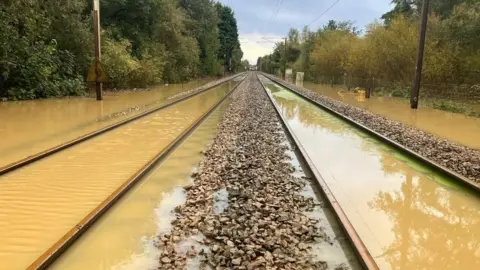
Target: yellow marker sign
point(98, 73)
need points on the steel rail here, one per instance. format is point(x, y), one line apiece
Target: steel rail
point(363, 255)
point(430, 163)
point(35, 157)
point(55, 251)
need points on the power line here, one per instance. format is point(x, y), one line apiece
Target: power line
point(327, 10)
point(275, 13)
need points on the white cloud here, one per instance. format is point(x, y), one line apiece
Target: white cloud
point(253, 46)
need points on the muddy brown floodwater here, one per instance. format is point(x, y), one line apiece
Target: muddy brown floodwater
point(145, 212)
point(29, 127)
point(455, 127)
point(408, 216)
point(42, 201)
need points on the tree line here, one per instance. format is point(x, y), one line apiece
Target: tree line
point(386, 51)
point(47, 46)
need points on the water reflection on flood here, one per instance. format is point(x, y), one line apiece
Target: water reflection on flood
point(335, 249)
point(42, 201)
point(29, 127)
point(408, 216)
point(456, 127)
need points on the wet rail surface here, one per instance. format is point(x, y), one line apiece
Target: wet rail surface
point(29, 127)
point(124, 237)
point(452, 126)
point(408, 216)
point(337, 251)
point(42, 201)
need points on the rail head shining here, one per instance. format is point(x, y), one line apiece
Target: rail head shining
point(359, 247)
point(55, 251)
point(35, 157)
point(432, 164)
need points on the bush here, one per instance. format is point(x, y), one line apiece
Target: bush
point(39, 70)
point(449, 106)
point(118, 61)
point(33, 65)
point(126, 70)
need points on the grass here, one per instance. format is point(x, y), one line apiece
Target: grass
point(454, 106)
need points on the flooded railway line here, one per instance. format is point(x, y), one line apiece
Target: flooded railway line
point(409, 215)
point(456, 161)
point(248, 206)
point(14, 157)
point(180, 223)
point(42, 201)
point(284, 184)
point(124, 237)
point(364, 257)
point(454, 127)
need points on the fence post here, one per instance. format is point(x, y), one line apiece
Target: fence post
point(370, 88)
point(368, 92)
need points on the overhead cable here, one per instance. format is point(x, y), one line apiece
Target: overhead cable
point(323, 13)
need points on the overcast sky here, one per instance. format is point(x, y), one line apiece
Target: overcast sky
point(255, 20)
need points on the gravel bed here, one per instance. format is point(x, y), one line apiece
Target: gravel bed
point(456, 157)
point(244, 209)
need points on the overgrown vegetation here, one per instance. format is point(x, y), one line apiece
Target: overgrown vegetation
point(384, 56)
point(47, 46)
point(453, 106)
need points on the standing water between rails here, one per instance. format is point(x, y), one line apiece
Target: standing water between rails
point(124, 237)
point(452, 126)
point(408, 216)
point(42, 201)
point(30, 127)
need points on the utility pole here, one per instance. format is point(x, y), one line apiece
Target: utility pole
point(98, 50)
point(224, 56)
point(285, 63)
point(421, 48)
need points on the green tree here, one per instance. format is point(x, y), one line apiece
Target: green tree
point(36, 62)
point(408, 8)
point(245, 64)
point(230, 52)
point(402, 7)
point(202, 23)
point(307, 42)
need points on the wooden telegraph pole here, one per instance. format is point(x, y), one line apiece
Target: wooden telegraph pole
point(421, 48)
point(97, 74)
point(98, 47)
point(285, 62)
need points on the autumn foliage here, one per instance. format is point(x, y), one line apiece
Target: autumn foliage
point(384, 54)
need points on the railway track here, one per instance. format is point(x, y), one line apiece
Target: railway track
point(462, 194)
point(432, 164)
point(66, 198)
point(363, 255)
point(32, 158)
point(367, 258)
